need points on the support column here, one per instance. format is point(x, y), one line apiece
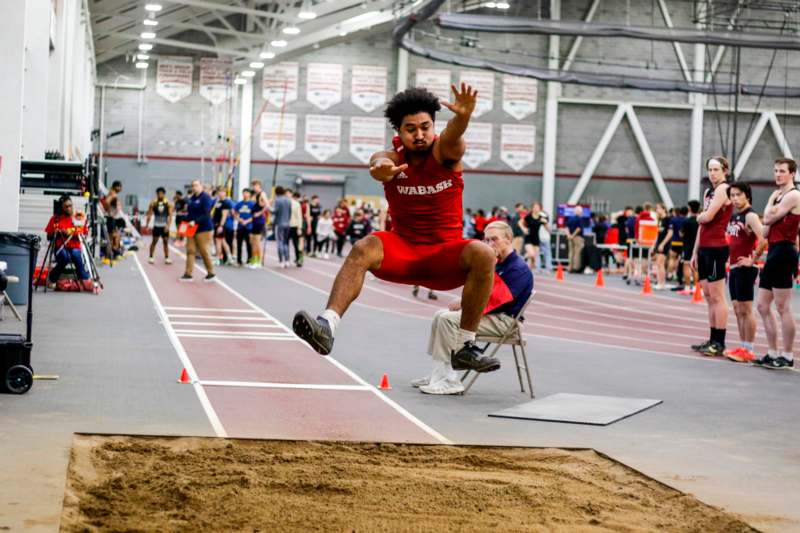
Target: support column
point(55, 80)
point(696, 134)
point(551, 120)
point(37, 52)
point(402, 69)
point(246, 137)
point(12, 64)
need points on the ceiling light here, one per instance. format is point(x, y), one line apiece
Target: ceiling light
point(150, 22)
point(141, 64)
point(153, 7)
point(148, 35)
point(502, 5)
point(256, 64)
point(306, 15)
point(142, 57)
point(248, 73)
point(240, 81)
point(342, 33)
point(279, 43)
point(291, 30)
point(267, 55)
point(144, 47)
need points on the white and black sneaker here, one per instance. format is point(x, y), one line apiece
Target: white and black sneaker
point(315, 331)
point(470, 357)
point(210, 278)
point(774, 363)
point(186, 278)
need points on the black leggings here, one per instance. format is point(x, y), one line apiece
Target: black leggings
point(321, 245)
point(243, 236)
point(294, 236)
point(340, 240)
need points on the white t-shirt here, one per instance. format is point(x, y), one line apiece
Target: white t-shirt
point(296, 220)
point(324, 228)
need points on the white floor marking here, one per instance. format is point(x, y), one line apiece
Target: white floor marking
point(216, 309)
point(219, 430)
point(264, 334)
point(221, 324)
point(267, 385)
point(236, 318)
point(236, 337)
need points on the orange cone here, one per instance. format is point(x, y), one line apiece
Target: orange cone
point(560, 273)
point(385, 383)
point(184, 377)
point(647, 288)
point(599, 282)
point(697, 297)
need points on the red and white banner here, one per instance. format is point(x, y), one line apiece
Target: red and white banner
point(519, 96)
point(517, 145)
point(478, 139)
point(323, 137)
point(174, 77)
point(278, 133)
point(324, 84)
point(483, 82)
point(279, 83)
point(367, 136)
point(368, 87)
point(216, 79)
point(436, 81)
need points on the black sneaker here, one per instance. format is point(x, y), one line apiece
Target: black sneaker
point(432, 296)
point(775, 363)
point(186, 277)
point(415, 291)
point(701, 347)
point(678, 288)
point(713, 349)
point(470, 357)
point(210, 277)
point(316, 332)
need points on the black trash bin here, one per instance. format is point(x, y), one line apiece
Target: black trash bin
point(16, 373)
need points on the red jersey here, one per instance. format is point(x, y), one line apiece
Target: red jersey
point(58, 226)
point(341, 220)
point(742, 241)
point(713, 232)
point(785, 229)
point(425, 201)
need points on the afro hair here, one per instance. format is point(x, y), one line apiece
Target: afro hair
point(410, 102)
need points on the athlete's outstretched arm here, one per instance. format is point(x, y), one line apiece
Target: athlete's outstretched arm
point(451, 144)
point(383, 166)
point(716, 204)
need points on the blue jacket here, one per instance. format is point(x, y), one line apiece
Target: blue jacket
point(200, 211)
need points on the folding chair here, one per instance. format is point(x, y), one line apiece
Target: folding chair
point(512, 337)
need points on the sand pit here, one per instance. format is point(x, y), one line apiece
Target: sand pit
point(197, 484)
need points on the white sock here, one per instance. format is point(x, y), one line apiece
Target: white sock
point(773, 353)
point(333, 319)
point(747, 346)
point(788, 355)
point(464, 337)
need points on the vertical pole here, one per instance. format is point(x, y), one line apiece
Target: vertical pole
point(101, 149)
point(698, 101)
point(402, 69)
point(736, 106)
point(551, 119)
point(246, 135)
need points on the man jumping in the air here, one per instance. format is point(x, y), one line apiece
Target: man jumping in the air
point(423, 183)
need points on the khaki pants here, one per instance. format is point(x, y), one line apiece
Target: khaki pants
point(575, 249)
point(200, 242)
point(444, 331)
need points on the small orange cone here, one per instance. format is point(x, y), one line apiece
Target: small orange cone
point(599, 282)
point(385, 383)
point(697, 297)
point(647, 288)
point(184, 377)
point(560, 273)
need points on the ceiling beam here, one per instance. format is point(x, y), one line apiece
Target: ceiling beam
point(192, 46)
point(214, 6)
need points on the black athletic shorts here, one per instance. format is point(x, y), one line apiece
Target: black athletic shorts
point(160, 231)
point(677, 249)
point(257, 228)
point(742, 283)
point(781, 267)
point(687, 252)
point(711, 262)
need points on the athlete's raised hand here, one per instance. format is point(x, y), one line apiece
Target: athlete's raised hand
point(464, 100)
point(385, 169)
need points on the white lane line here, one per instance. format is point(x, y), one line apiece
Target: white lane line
point(236, 318)
point(221, 324)
point(237, 337)
point(219, 430)
point(232, 332)
point(411, 418)
point(219, 309)
point(267, 385)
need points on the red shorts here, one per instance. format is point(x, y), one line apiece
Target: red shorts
point(435, 266)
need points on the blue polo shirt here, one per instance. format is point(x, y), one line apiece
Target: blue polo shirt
point(200, 211)
point(574, 222)
point(517, 276)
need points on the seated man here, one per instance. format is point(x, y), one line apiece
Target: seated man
point(67, 245)
point(517, 277)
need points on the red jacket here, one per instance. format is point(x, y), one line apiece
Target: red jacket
point(341, 220)
point(61, 228)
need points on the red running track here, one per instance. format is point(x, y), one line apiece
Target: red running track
point(256, 379)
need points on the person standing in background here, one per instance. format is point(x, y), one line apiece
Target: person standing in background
point(179, 208)
point(260, 207)
point(575, 238)
point(314, 212)
point(244, 220)
point(221, 216)
point(160, 210)
point(324, 234)
point(296, 227)
point(281, 218)
point(199, 206)
point(341, 221)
